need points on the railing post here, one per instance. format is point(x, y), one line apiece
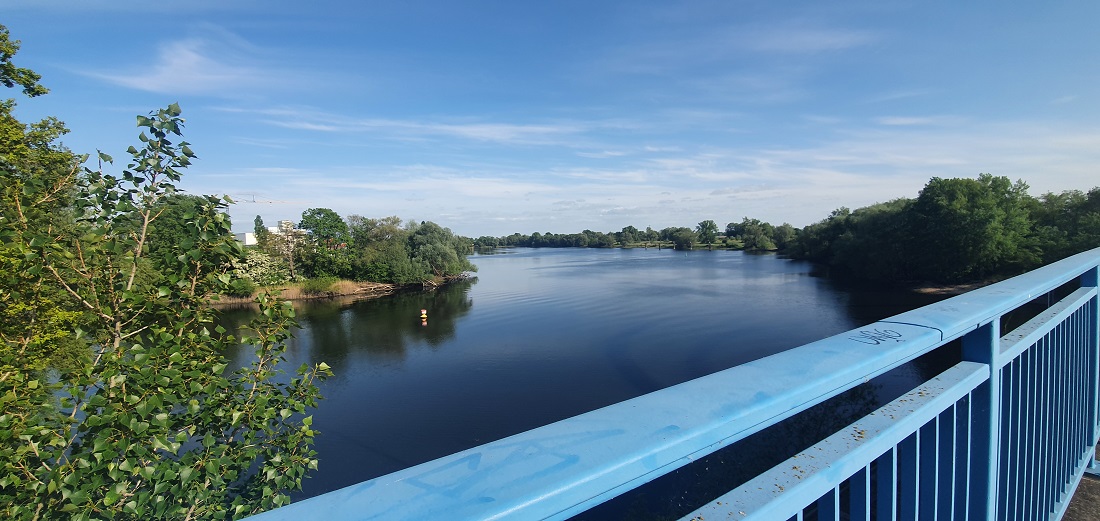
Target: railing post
point(982, 346)
point(1091, 279)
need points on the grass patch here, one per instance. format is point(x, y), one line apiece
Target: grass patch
point(318, 286)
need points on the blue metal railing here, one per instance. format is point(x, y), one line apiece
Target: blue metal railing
point(1005, 434)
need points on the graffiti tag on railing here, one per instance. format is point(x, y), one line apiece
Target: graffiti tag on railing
point(875, 337)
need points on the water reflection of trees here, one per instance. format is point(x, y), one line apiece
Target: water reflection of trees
point(338, 331)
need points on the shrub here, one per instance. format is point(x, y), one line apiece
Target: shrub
point(241, 288)
point(318, 286)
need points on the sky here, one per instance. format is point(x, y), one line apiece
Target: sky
point(495, 117)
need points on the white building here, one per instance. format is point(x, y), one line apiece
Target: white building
point(246, 239)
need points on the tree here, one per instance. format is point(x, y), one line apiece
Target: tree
point(971, 228)
point(876, 242)
point(325, 226)
point(756, 235)
point(733, 230)
point(784, 235)
point(10, 75)
point(151, 425)
point(171, 226)
point(628, 235)
point(439, 250)
point(288, 243)
point(681, 238)
point(707, 231)
point(263, 235)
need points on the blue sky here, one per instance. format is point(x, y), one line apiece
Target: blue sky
point(522, 116)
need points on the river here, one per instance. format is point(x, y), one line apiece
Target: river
point(544, 334)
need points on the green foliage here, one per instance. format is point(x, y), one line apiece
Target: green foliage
point(289, 243)
point(170, 228)
point(1066, 223)
point(241, 288)
point(10, 75)
point(317, 286)
point(442, 252)
point(956, 230)
point(150, 425)
point(325, 226)
point(261, 269)
point(754, 234)
point(875, 241)
point(707, 231)
point(963, 229)
point(681, 238)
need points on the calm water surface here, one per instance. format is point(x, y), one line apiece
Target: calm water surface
point(545, 334)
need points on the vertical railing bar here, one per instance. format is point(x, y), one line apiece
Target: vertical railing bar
point(953, 488)
point(969, 444)
point(866, 506)
point(1072, 382)
point(1084, 379)
point(928, 468)
point(1038, 485)
point(1033, 437)
point(1008, 441)
point(1026, 382)
point(859, 493)
point(945, 459)
point(1018, 438)
point(938, 459)
point(1068, 364)
point(1042, 488)
point(908, 477)
point(1078, 393)
point(1085, 374)
point(893, 485)
point(1052, 484)
point(828, 506)
point(1057, 405)
point(1061, 368)
point(886, 488)
point(1072, 361)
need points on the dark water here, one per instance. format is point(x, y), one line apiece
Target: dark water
point(542, 335)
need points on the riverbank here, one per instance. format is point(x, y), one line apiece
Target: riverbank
point(951, 289)
point(341, 288)
point(338, 289)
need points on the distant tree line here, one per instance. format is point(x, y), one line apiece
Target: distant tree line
point(675, 236)
point(325, 245)
point(955, 230)
point(749, 234)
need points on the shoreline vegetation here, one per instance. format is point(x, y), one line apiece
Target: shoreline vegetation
point(336, 289)
point(957, 233)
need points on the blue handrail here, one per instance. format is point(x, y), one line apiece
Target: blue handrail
point(1022, 408)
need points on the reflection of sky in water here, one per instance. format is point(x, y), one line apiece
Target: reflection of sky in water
point(546, 334)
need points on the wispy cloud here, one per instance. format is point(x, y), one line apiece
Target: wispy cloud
point(514, 133)
point(216, 62)
point(899, 95)
point(803, 39)
point(603, 154)
point(906, 121)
